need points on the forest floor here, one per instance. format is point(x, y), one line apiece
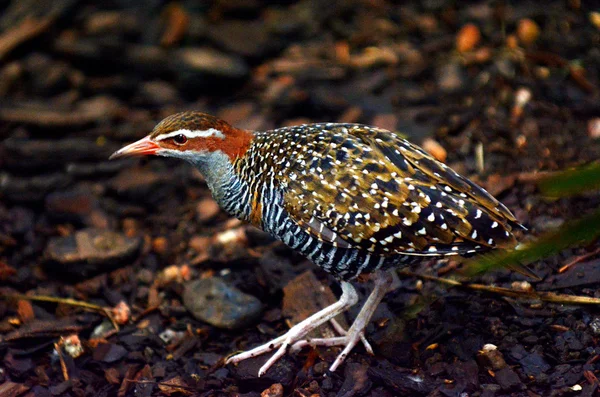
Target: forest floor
point(122, 276)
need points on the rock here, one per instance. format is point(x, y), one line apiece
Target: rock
point(305, 295)
point(90, 251)
point(214, 301)
point(533, 364)
point(109, 352)
point(508, 379)
point(490, 356)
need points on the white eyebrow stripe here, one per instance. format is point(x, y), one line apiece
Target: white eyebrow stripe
point(192, 134)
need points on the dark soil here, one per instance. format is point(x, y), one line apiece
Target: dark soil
point(502, 92)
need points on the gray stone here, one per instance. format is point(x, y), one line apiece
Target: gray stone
point(214, 301)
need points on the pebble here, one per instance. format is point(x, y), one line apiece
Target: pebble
point(594, 128)
point(490, 356)
point(207, 209)
point(216, 302)
point(527, 31)
point(434, 148)
point(276, 390)
point(467, 38)
point(595, 326)
point(90, 251)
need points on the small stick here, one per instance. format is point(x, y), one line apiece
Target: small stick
point(63, 365)
point(67, 301)
point(579, 259)
point(543, 296)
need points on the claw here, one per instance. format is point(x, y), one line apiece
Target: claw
point(294, 337)
point(300, 330)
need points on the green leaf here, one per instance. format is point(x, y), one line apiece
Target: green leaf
point(580, 232)
point(572, 182)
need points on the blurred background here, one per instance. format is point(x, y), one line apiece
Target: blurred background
point(504, 92)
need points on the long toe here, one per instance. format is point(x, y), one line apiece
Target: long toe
point(340, 330)
point(351, 340)
point(342, 356)
point(257, 351)
point(324, 342)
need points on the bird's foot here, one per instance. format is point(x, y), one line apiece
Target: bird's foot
point(348, 341)
point(281, 343)
point(383, 282)
point(298, 331)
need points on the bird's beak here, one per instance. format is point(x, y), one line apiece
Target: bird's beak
point(143, 147)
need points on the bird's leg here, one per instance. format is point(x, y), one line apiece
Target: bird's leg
point(383, 281)
point(298, 331)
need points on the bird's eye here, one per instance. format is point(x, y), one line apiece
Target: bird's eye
point(180, 139)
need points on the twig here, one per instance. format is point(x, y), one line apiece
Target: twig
point(543, 296)
point(579, 259)
point(67, 301)
point(63, 365)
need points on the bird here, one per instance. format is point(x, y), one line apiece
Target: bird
point(352, 198)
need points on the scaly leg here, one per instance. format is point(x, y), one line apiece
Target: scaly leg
point(383, 281)
point(298, 331)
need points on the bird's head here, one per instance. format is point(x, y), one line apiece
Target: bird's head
point(190, 136)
